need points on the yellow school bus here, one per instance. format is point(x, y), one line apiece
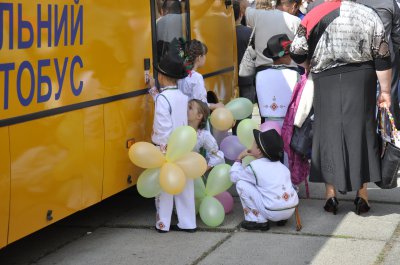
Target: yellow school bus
point(73, 95)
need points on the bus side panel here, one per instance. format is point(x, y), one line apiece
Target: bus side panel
point(210, 20)
point(129, 28)
point(47, 157)
point(93, 172)
point(4, 185)
point(124, 120)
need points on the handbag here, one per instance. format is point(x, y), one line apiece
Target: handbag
point(247, 66)
point(301, 141)
point(390, 158)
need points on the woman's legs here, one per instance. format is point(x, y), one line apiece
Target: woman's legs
point(363, 192)
point(330, 191)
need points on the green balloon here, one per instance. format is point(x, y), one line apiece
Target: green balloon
point(245, 132)
point(148, 184)
point(181, 141)
point(241, 108)
point(197, 203)
point(211, 211)
point(218, 180)
point(247, 160)
point(199, 188)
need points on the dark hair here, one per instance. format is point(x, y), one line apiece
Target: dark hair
point(280, 2)
point(236, 9)
point(194, 49)
point(202, 109)
point(172, 7)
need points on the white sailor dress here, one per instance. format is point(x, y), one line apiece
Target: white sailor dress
point(265, 189)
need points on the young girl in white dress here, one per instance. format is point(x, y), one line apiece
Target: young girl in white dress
point(193, 85)
point(197, 118)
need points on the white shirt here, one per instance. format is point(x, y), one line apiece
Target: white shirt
point(274, 91)
point(193, 87)
point(170, 112)
point(213, 155)
point(272, 180)
point(269, 23)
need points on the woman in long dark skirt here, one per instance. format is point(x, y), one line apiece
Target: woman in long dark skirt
point(344, 46)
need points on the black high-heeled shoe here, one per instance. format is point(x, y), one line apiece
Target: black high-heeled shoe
point(361, 205)
point(332, 205)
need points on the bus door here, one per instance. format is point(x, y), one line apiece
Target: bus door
point(212, 22)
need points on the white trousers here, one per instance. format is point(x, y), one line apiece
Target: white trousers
point(185, 208)
point(253, 206)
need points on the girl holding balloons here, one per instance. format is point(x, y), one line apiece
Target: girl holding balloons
point(198, 113)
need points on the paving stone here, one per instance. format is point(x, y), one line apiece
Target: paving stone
point(266, 248)
point(393, 257)
point(317, 190)
point(39, 244)
point(124, 246)
point(346, 223)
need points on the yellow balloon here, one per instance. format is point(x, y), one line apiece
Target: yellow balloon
point(146, 155)
point(245, 132)
point(222, 119)
point(193, 165)
point(172, 179)
point(182, 140)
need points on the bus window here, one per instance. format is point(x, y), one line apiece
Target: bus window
point(171, 17)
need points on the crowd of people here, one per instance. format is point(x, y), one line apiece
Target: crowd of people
point(349, 53)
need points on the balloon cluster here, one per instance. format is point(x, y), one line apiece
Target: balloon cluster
point(168, 173)
point(212, 200)
point(237, 109)
point(223, 119)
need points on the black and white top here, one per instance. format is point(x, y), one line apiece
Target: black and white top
point(339, 33)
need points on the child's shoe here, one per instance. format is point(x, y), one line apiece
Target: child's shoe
point(255, 226)
point(177, 228)
point(281, 223)
point(161, 231)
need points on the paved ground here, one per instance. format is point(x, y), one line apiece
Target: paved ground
point(120, 231)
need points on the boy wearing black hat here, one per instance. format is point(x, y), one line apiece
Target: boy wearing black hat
point(264, 186)
point(170, 113)
point(275, 84)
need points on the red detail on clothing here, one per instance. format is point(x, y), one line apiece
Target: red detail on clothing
point(255, 212)
point(286, 196)
point(318, 13)
point(161, 225)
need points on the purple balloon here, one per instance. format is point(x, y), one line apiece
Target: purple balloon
point(220, 135)
point(231, 147)
point(268, 125)
point(226, 199)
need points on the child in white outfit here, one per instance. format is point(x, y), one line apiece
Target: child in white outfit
point(193, 85)
point(170, 113)
point(198, 113)
point(264, 186)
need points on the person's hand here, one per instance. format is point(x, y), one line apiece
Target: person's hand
point(384, 100)
point(150, 82)
point(214, 106)
point(243, 154)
